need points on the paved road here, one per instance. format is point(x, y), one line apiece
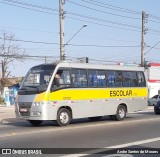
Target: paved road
point(140, 130)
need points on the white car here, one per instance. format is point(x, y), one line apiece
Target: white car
point(152, 101)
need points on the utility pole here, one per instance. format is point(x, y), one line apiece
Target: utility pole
point(144, 16)
point(61, 17)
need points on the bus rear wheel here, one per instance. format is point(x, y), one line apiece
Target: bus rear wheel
point(63, 117)
point(121, 113)
point(35, 122)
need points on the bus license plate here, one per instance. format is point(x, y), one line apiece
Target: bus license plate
point(23, 110)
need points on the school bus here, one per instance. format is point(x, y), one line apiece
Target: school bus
point(84, 90)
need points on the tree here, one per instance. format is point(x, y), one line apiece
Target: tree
point(9, 52)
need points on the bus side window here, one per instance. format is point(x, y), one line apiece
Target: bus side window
point(62, 79)
point(134, 82)
point(96, 78)
point(130, 79)
point(79, 78)
point(92, 78)
point(141, 79)
point(101, 78)
point(126, 79)
point(118, 79)
point(65, 77)
point(110, 77)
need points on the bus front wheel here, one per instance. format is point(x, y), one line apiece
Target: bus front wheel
point(121, 113)
point(63, 117)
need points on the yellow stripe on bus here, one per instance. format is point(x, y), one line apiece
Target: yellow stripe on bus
point(87, 94)
point(42, 97)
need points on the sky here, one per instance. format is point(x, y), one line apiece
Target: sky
point(112, 35)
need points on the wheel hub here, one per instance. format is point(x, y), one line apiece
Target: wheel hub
point(64, 117)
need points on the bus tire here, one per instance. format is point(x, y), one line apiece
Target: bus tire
point(121, 113)
point(35, 122)
point(63, 117)
point(94, 118)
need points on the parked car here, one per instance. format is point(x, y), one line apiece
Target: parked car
point(152, 101)
point(157, 107)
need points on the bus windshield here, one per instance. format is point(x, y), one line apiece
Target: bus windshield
point(37, 79)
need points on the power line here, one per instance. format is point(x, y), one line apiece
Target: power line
point(122, 28)
point(154, 21)
point(95, 3)
point(31, 5)
point(83, 45)
point(30, 30)
point(116, 23)
point(30, 41)
point(113, 46)
point(112, 7)
point(152, 30)
point(25, 56)
point(27, 4)
point(36, 58)
point(105, 38)
point(101, 20)
point(24, 48)
point(44, 31)
point(45, 8)
point(28, 8)
point(101, 10)
point(155, 17)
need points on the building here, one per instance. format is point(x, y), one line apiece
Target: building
point(10, 89)
point(153, 79)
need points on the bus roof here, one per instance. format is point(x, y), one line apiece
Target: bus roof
point(95, 66)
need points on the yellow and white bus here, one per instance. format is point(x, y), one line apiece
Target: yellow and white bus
point(83, 90)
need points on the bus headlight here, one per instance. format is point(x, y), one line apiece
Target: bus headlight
point(37, 104)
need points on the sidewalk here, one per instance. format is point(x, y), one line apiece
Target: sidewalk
point(7, 113)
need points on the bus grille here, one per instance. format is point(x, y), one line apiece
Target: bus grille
point(25, 114)
point(24, 109)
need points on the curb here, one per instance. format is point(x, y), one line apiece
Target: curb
point(3, 121)
point(11, 121)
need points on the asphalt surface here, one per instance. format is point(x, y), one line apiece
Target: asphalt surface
point(138, 131)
